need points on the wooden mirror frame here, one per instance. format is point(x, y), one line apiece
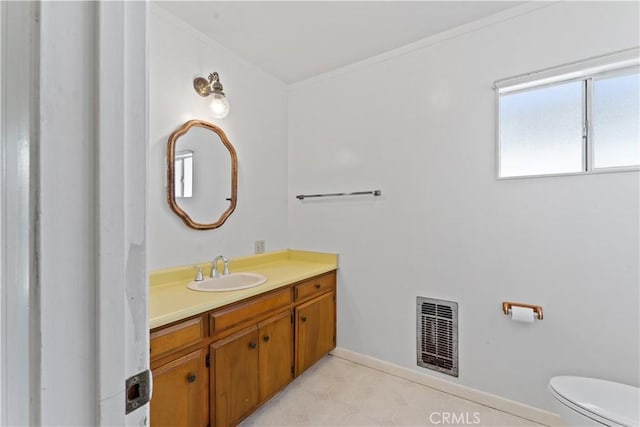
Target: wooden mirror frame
point(171, 145)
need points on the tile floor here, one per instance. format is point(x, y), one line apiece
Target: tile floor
point(337, 392)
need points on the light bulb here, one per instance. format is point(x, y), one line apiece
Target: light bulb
point(219, 105)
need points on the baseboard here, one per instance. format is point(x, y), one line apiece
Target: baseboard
point(491, 400)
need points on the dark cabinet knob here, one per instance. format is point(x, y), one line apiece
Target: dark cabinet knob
point(303, 318)
point(252, 345)
point(317, 285)
point(266, 338)
point(191, 378)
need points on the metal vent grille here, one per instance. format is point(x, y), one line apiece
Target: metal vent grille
point(437, 335)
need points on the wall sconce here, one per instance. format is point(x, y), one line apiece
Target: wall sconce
point(212, 86)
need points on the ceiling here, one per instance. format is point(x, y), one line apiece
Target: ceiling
point(294, 41)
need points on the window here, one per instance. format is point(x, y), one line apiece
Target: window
point(183, 174)
point(616, 118)
point(580, 120)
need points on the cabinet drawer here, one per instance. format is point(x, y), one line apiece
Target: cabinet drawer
point(175, 337)
point(316, 286)
point(239, 314)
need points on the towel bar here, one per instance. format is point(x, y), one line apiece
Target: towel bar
point(355, 193)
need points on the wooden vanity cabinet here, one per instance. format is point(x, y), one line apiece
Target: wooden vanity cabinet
point(276, 354)
point(234, 377)
point(315, 330)
point(216, 368)
point(180, 392)
point(249, 367)
point(315, 319)
point(180, 374)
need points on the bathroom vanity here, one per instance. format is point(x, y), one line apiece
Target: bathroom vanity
point(217, 356)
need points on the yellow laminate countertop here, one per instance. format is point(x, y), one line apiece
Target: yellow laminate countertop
point(170, 299)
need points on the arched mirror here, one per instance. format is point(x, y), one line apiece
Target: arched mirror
point(202, 175)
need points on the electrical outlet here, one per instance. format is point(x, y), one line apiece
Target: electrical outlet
point(259, 246)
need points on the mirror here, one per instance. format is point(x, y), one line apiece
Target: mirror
point(202, 174)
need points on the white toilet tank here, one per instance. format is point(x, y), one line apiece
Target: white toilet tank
point(589, 401)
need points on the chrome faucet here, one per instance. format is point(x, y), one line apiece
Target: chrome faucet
point(199, 277)
point(214, 266)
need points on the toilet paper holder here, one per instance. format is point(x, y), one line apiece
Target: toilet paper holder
point(506, 308)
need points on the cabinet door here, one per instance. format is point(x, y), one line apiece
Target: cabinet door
point(315, 330)
point(276, 354)
point(180, 392)
point(235, 377)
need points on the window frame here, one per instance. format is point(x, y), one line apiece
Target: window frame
point(547, 78)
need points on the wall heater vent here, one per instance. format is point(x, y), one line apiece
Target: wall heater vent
point(437, 335)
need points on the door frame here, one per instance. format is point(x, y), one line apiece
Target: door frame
point(122, 229)
point(19, 314)
point(45, 324)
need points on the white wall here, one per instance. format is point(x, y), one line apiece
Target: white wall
point(420, 126)
point(256, 126)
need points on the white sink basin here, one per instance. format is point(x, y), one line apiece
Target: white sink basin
point(231, 282)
